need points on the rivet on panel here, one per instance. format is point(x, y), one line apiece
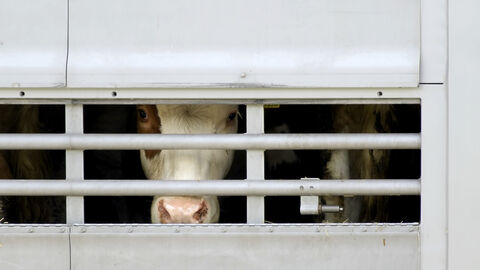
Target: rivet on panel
point(243, 75)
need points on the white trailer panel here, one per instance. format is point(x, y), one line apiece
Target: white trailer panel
point(463, 135)
point(246, 247)
point(433, 62)
point(33, 43)
point(269, 43)
point(34, 247)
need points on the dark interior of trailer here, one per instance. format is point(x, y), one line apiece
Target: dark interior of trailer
point(280, 165)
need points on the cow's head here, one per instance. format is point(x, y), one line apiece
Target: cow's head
point(186, 164)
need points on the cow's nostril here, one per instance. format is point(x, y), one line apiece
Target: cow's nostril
point(201, 213)
point(163, 212)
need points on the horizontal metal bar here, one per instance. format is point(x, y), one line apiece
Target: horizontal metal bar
point(154, 229)
point(209, 141)
point(323, 101)
point(208, 187)
point(251, 94)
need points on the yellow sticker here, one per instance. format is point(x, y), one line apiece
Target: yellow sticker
point(271, 106)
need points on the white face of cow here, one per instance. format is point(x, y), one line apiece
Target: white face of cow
point(186, 164)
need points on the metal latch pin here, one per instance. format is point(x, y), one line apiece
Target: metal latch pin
point(310, 205)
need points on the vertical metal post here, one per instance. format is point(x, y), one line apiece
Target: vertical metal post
point(74, 162)
point(255, 164)
point(433, 226)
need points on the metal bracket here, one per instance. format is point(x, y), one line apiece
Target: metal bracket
point(310, 205)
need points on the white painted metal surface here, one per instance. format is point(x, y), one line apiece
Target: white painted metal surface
point(212, 95)
point(246, 247)
point(464, 132)
point(269, 43)
point(74, 162)
point(433, 62)
point(255, 164)
point(33, 43)
point(433, 229)
point(34, 247)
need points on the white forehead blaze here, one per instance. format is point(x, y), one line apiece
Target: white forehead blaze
point(196, 119)
point(192, 164)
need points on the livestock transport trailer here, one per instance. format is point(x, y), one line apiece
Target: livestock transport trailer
point(76, 58)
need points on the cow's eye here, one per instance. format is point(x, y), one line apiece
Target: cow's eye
point(232, 116)
point(142, 114)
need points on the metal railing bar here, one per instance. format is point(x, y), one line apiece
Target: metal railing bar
point(209, 141)
point(209, 187)
point(232, 92)
point(324, 101)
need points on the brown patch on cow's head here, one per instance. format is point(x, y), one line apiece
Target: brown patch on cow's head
point(148, 121)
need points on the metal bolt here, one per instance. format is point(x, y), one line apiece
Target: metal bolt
point(62, 230)
point(30, 230)
point(130, 230)
point(83, 230)
point(243, 75)
point(330, 208)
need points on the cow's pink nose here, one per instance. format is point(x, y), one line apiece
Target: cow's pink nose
point(182, 210)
